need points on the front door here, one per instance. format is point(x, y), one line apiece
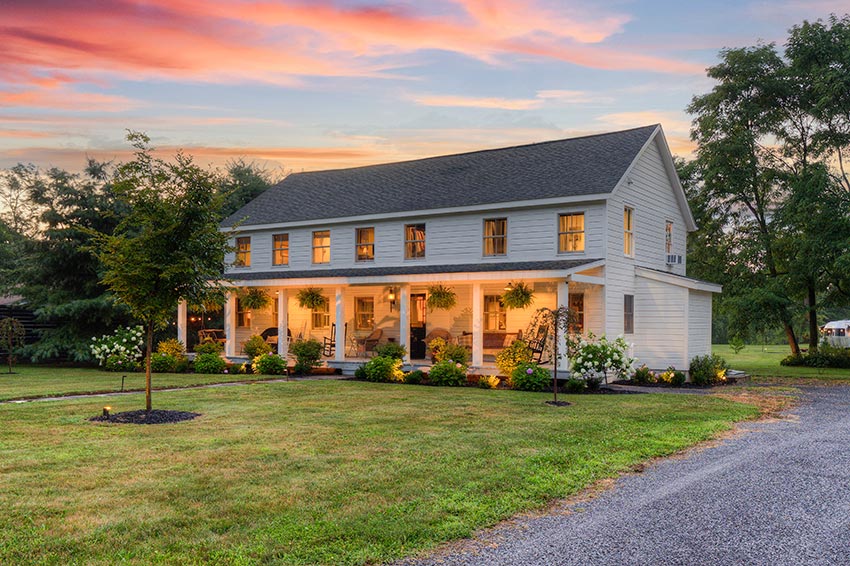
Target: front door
point(417, 326)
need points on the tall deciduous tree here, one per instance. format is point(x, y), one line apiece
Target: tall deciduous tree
point(243, 183)
point(168, 247)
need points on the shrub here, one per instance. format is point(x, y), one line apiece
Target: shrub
point(736, 344)
point(643, 376)
point(488, 382)
point(163, 363)
point(672, 377)
point(827, 356)
point(708, 370)
point(530, 377)
point(509, 358)
point(435, 346)
point(574, 385)
point(453, 353)
point(448, 373)
point(269, 364)
point(596, 357)
point(209, 363)
point(172, 347)
point(209, 347)
point(391, 350)
point(307, 355)
point(593, 383)
point(360, 372)
point(793, 360)
point(383, 368)
point(414, 377)
point(256, 346)
point(120, 351)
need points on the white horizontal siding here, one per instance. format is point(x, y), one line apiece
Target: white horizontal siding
point(457, 239)
point(699, 324)
point(660, 336)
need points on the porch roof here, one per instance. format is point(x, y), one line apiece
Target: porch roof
point(401, 270)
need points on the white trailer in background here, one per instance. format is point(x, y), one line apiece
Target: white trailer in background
point(837, 333)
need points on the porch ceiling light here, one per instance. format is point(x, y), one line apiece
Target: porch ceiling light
point(509, 286)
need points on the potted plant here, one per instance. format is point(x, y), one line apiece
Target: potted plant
point(255, 299)
point(310, 298)
point(517, 296)
point(441, 297)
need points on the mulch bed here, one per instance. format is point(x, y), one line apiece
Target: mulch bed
point(729, 381)
point(143, 417)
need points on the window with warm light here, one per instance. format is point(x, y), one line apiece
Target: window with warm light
point(243, 315)
point(414, 241)
point(364, 313)
point(243, 252)
point(571, 232)
point(495, 236)
point(321, 316)
point(668, 238)
point(495, 316)
point(322, 246)
point(365, 244)
point(280, 249)
point(629, 231)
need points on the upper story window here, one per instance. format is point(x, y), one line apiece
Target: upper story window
point(629, 231)
point(495, 316)
point(365, 244)
point(243, 252)
point(322, 246)
point(628, 314)
point(280, 249)
point(414, 241)
point(495, 236)
point(668, 238)
point(364, 313)
point(571, 232)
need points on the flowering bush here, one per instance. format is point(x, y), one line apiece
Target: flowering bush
point(672, 377)
point(120, 351)
point(596, 358)
point(269, 364)
point(643, 376)
point(448, 373)
point(488, 382)
point(530, 377)
point(509, 358)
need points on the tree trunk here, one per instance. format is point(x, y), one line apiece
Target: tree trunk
point(148, 349)
point(814, 331)
point(792, 338)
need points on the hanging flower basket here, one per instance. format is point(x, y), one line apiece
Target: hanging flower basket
point(255, 299)
point(441, 297)
point(310, 298)
point(519, 296)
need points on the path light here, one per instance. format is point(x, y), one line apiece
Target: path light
point(106, 412)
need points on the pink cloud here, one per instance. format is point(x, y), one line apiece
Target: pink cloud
point(478, 102)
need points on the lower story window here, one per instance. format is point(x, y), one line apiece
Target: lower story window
point(628, 314)
point(321, 317)
point(495, 317)
point(243, 315)
point(364, 313)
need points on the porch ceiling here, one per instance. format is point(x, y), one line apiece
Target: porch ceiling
point(413, 273)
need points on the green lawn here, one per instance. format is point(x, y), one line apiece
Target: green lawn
point(44, 381)
point(763, 361)
point(313, 472)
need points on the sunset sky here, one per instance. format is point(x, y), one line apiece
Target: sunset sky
point(321, 84)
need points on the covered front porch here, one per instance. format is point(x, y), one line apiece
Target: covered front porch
point(359, 314)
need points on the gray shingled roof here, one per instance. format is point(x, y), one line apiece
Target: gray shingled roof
point(571, 167)
point(561, 264)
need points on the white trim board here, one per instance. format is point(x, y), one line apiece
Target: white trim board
point(678, 280)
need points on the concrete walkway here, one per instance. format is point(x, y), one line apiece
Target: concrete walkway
point(776, 494)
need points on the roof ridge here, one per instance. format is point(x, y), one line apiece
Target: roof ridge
point(480, 151)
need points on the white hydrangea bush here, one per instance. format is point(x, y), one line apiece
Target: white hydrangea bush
point(598, 358)
point(120, 351)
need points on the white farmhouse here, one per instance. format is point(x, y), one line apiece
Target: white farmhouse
point(597, 223)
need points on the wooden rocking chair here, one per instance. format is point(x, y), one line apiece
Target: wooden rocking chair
point(329, 344)
point(538, 345)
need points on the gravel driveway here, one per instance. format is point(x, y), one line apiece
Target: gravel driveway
point(777, 494)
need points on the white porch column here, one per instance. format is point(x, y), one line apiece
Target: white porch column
point(182, 310)
point(404, 320)
point(561, 336)
point(477, 326)
point(230, 325)
point(282, 322)
point(339, 353)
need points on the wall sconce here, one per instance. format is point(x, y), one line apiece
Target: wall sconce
point(509, 286)
point(391, 298)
